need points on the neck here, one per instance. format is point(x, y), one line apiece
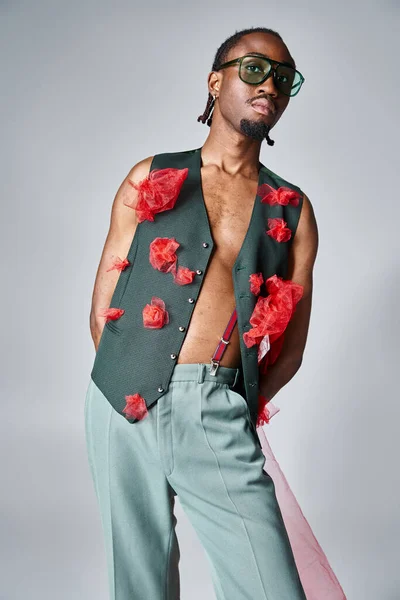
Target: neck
point(232, 154)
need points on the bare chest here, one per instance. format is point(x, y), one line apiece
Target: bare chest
point(229, 204)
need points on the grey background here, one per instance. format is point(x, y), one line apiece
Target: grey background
point(88, 90)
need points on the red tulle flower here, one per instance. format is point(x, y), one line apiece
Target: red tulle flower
point(157, 192)
point(163, 258)
point(283, 195)
point(183, 276)
point(266, 410)
point(256, 281)
point(119, 264)
point(154, 314)
point(266, 358)
point(272, 314)
point(111, 314)
point(278, 230)
point(263, 412)
point(162, 253)
point(135, 406)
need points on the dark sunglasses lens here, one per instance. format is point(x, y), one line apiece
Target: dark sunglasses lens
point(288, 80)
point(255, 68)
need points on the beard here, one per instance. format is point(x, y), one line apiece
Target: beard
point(257, 130)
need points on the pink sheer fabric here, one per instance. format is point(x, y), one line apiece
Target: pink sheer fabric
point(318, 579)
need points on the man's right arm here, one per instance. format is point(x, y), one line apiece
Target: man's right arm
point(123, 223)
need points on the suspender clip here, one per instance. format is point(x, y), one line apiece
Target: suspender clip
point(214, 366)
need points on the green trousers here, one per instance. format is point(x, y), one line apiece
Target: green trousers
point(197, 443)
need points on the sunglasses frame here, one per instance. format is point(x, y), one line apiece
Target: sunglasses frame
point(271, 70)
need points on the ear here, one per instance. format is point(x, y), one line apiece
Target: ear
point(213, 82)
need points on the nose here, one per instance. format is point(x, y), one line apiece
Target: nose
point(268, 86)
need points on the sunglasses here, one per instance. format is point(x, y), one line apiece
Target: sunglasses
point(255, 68)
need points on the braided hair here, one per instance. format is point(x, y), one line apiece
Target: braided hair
point(221, 57)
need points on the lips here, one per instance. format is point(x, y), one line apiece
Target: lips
point(263, 106)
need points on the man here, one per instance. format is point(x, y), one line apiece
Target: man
point(181, 428)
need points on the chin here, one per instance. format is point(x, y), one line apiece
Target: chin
point(255, 129)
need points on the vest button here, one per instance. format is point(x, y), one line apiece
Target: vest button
point(160, 389)
point(205, 245)
point(191, 300)
point(199, 271)
point(181, 328)
point(173, 355)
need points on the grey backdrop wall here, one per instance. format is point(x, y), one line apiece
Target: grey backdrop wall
point(88, 90)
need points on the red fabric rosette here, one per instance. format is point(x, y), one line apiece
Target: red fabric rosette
point(154, 314)
point(183, 276)
point(278, 230)
point(135, 406)
point(256, 281)
point(119, 264)
point(270, 318)
point(162, 254)
point(163, 258)
point(271, 314)
point(157, 192)
point(111, 314)
point(283, 195)
point(266, 410)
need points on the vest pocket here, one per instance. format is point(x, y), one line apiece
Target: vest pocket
point(111, 326)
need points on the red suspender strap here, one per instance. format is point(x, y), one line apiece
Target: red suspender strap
point(223, 344)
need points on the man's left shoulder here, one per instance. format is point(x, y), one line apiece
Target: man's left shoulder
point(306, 241)
point(280, 181)
point(306, 216)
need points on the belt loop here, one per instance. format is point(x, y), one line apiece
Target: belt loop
point(201, 367)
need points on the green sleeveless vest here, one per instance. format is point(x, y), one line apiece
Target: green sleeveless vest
point(132, 358)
